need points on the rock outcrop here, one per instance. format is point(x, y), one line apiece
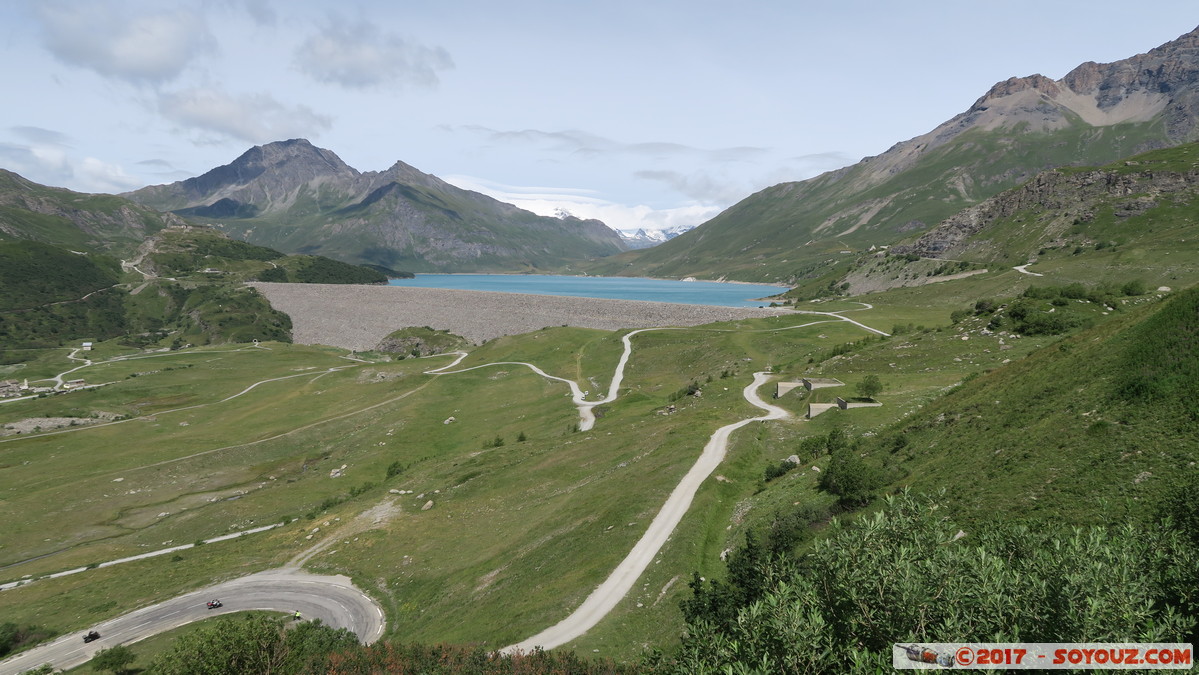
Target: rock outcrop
point(1069, 196)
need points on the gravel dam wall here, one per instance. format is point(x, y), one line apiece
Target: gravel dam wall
point(358, 317)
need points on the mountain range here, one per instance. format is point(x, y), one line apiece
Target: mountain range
point(647, 237)
point(298, 198)
point(791, 232)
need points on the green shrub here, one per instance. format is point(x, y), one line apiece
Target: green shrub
point(781, 469)
point(850, 477)
point(253, 644)
point(274, 274)
point(320, 270)
point(14, 638)
point(905, 575)
point(1133, 287)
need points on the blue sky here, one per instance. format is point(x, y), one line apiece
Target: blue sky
point(643, 113)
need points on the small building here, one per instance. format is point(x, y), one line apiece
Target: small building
point(87, 346)
point(74, 384)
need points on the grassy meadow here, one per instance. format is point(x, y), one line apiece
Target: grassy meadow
point(528, 513)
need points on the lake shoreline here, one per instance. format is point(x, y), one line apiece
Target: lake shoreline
point(686, 291)
point(596, 276)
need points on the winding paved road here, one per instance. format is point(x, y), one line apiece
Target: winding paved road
point(332, 599)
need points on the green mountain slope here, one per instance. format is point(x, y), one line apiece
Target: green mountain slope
point(1086, 430)
point(33, 274)
point(1024, 491)
point(790, 232)
point(201, 253)
point(89, 222)
point(49, 295)
point(1131, 220)
point(298, 198)
point(179, 283)
point(1092, 427)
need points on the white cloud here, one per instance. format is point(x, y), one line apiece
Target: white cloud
point(698, 185)
point(261, 11)
point(47, 165)
point(40, 136)
point(360, 56)
point(256, 118)
point(576, 141)
point(94, 175)
point(137, 45)
point(53, 165)
point(585, 204)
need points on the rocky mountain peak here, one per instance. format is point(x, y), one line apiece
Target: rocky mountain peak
point(1015, 85)
point(405, 173)
point(296, 156)
point(1186, 42)
point(291, 162)
point(1162, 70)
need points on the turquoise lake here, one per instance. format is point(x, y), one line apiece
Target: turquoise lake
point(620, 288)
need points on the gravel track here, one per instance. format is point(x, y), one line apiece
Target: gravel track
point(358, 317)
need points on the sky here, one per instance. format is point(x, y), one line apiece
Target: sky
point(644, 113)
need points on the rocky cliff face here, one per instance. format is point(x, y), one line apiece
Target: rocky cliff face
point(1162, 83)
point(296, 197)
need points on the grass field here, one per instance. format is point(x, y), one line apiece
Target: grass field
point(528, 514)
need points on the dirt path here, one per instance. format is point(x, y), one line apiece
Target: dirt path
point(865, 305)
point(605, 597)
point(367, 520)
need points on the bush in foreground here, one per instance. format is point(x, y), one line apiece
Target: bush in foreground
point(905, 575)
